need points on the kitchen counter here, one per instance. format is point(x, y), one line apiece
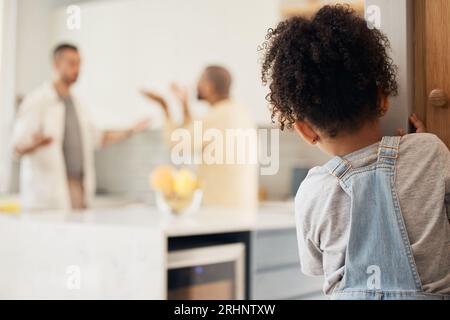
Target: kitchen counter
point(206, 221)
point(108, 252)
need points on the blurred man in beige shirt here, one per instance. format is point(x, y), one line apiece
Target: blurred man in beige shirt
point(227, 184)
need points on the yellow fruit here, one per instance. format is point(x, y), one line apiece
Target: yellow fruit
point(185, 183)
point(179, 204)
point(10, 207)
point(161, 179)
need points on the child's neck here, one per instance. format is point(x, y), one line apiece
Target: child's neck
point(345, 144)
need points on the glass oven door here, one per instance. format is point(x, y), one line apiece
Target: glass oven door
point(208, 273)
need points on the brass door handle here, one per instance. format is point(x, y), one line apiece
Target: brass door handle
point(438, 98)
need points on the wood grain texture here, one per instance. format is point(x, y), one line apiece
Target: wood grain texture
point(437, 63)
point(420, 92)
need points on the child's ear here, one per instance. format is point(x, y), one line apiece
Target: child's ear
point(306, 132)
point(384, 104)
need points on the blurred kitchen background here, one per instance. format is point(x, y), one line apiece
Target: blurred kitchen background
point(127, 249)
point(150, 44)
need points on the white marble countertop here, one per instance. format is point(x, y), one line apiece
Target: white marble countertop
point(207, 221)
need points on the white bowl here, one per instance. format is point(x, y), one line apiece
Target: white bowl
point(179, 206)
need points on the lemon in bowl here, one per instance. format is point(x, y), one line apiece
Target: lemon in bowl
point(178, 192)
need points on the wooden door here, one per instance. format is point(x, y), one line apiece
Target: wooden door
point(432, 64)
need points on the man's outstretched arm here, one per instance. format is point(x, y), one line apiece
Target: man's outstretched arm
point(116, 136)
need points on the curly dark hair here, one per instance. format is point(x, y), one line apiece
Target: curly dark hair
point(329, 70)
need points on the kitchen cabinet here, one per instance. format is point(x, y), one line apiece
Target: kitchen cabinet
point(276, 273)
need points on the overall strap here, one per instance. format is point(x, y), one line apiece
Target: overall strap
point(389, 150)
point(338, 167)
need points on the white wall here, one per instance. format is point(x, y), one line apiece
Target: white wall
point(397, 22)
point(33, 44)
point(7, 75)
point(131, 44)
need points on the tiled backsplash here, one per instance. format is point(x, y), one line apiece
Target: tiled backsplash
point(124, 168)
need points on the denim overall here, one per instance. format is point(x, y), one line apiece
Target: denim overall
point(379, 264)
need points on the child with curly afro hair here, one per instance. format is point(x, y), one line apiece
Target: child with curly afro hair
point(374, 220)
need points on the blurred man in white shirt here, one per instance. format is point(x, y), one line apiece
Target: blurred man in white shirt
point(55, 138)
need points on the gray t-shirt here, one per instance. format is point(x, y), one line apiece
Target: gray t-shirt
point(423, 186)
point(72, 143)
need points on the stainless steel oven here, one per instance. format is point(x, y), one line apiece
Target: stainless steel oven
point(207, 273)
